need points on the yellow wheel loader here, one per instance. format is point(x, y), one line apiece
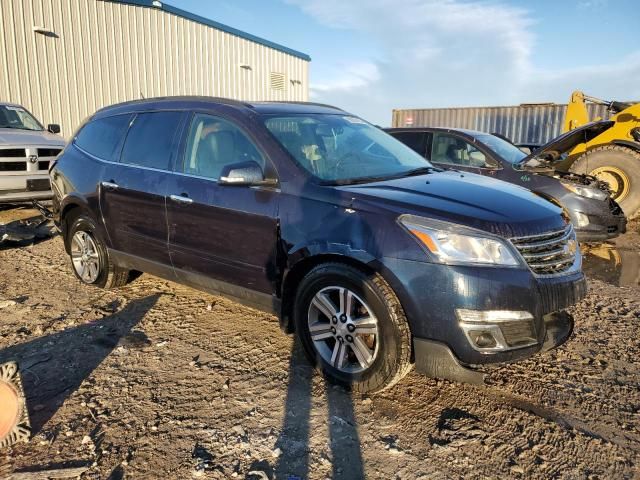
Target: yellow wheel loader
point(614, 155)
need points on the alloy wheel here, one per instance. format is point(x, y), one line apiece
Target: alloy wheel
point(85, 257)
point(343, 329)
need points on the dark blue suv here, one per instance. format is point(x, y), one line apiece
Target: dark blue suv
point(375, 259)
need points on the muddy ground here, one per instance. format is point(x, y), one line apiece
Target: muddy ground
point(161, 381)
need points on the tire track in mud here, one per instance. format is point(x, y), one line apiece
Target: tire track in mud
point(224, 366)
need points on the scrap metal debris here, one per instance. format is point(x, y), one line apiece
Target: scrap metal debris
point(27, 231)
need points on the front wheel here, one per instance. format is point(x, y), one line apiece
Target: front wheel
point(89, 257)
point(353, 328)
point(619, 167)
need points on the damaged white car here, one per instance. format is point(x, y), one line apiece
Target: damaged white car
point(26, 151)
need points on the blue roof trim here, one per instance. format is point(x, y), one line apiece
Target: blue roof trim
point(211, 23)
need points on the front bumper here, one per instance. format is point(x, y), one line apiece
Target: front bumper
point(436, 360)
point(606, 220)
point(431, 295)
point(24, 187)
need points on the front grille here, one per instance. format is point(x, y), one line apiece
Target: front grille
point(13, 166)
point(13, 153)
point(43, 165)
point(549, 253)
point(48, 152)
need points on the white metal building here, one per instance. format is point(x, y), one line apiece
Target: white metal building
point(64, 59)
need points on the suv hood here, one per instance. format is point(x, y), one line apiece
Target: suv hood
point(19, 138)
point(551, 152)
point(464, 198)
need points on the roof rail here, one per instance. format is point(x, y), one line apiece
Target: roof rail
point(315, 104)
point(223, 100)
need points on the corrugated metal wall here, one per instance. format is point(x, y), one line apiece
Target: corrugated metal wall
point(522, 124)
point(99, 53)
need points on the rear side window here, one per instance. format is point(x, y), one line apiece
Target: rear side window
point(151, 139)
point(102, 137)
point(416, 141)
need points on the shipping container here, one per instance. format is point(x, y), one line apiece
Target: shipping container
point(523, 124)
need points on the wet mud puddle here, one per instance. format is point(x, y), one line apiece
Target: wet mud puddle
point(613, 265)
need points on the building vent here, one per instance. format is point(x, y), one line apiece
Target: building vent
point(277, 81)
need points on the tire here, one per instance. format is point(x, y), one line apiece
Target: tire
point(622, 159)
point(389, 349)
point(99, 270)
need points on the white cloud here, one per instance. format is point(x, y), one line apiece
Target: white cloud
point(352, 77)
point(445, 53)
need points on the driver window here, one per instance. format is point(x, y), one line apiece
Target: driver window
point(214, 143)
point(453, 150)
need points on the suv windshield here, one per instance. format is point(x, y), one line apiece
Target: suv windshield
point(13, 116)
point(344, 149)
point(506, 150)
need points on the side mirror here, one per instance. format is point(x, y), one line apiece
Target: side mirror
point(243, 174)
point(477, 159)
point(53, 128)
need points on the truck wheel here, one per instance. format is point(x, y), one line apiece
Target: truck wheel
point(353, 328)
point(89, 257)
point(620, 168)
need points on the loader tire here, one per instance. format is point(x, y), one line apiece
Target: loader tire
point(620, 167)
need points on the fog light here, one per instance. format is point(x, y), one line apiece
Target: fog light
point(582, 220)
point(495, 330)
point(482, 339)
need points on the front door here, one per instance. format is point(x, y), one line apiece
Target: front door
point(133, 191)
point(221, 236)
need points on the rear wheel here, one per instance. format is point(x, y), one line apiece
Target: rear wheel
point(353, 328)
point(618, 166)
point(89, 257)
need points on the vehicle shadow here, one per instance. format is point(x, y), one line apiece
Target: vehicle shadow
point(294, 439)
point(54, 366)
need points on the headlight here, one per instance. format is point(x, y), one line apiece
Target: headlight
point(453, 247)
point(585, 191)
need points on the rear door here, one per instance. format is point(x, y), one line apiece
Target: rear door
point(221, 233)
point(133, 190)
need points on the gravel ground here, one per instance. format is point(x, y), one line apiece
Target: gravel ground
point(157, 380)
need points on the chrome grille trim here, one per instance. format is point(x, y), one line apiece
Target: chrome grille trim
point(549, 253)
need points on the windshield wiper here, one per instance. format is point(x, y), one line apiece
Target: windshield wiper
point(354, 181)
point(18, 128)
point(416, 171)
point(382, 178)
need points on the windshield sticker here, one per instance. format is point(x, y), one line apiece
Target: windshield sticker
point(355, 120)
point(15, 109)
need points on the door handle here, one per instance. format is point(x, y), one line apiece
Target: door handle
point(109, 185)
point(183, 199)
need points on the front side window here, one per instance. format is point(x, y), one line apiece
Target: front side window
point(452, 150)
point(214, 143)
point(13, 116)
point(343, 148)
point(151, 139)
point(504, 149)
point(103, 136)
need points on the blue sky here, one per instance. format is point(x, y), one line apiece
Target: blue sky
point(370, 56)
